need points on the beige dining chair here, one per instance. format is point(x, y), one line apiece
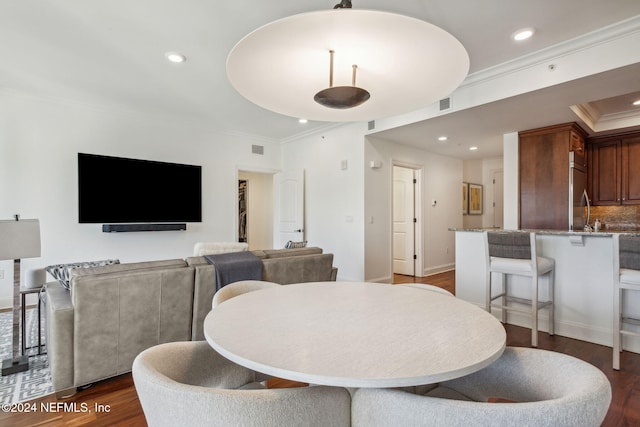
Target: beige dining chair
point(426, 287)
point(626, 278)
point(189, 384)
point(533, 387)
point(239, 288)
point(514, 253)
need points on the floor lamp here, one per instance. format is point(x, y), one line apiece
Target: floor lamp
point(18, 239)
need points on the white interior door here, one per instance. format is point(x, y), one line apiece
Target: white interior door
point(403, 221)
point(498, 199)
point(288, 191)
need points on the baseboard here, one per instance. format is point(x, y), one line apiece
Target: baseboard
point(438, 269)
point(425, 273)
point(578, 331)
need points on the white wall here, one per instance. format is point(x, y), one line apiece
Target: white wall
point(441, 179)
point(39, 142)
point(511, 190)
point(334, 197)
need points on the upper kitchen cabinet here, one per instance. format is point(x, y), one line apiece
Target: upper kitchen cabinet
point(613, 178)
point(544, 174)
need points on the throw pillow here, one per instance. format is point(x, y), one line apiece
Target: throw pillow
point(294, 245)
point(60, 272)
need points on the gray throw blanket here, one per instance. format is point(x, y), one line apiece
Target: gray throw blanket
point(235, 266)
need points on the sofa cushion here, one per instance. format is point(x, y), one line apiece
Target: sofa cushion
point(194, 261)
point(130, 266)
point(62, 272)
point(298, 269)
point(118, 315)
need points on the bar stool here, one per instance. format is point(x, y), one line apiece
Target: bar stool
point(626, 277)
point(514, 253)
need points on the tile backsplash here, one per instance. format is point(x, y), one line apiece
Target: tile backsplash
point(617, 218)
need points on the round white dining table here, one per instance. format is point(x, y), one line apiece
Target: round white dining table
point(355, 334)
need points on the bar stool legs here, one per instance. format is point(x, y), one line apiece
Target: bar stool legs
point(514, 254)
point(626, 278)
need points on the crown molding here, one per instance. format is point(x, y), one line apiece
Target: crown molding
point(602, 35)
point(315, 131)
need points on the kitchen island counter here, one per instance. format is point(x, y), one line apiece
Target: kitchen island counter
point(603, 233)
point(583, 282)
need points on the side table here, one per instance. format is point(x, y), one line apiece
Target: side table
point(23, 308)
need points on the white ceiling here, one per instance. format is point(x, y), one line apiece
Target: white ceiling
point(484, 126)
point(112, 53)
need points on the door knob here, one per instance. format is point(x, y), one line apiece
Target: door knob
point(299, 230)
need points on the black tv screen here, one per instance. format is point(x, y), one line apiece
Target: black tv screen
point(121, 190)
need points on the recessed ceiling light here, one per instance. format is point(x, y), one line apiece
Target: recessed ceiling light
point(442, 138)
point(474, 148)
point(302, 120)
point(175, 57)
point(522, 34)
point(636, 102)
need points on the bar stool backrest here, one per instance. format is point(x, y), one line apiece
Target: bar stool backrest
point(509, 245)
point(629, 252)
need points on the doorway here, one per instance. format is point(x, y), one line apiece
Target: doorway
point(498, 198)
point(406, 244)
point(255, 209)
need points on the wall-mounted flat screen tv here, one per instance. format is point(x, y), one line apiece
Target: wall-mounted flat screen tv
point(121, 190)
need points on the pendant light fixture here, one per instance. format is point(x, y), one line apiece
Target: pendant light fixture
point(402, 64)
point(341, 96)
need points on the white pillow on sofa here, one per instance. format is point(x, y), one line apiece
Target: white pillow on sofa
point(212, 248)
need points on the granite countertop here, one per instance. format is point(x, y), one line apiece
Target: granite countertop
point(604, 233)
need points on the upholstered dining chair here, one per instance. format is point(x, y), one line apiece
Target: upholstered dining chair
point(239, 288)
point(189, 384)
point(626, 278)
point(513, 253)
point(534, 387)
point(427, 287)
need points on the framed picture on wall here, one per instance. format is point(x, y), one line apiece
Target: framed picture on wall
point(475, 199)
point(465, 198)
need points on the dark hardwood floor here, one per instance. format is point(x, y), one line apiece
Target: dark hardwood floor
point(446, 280)
point(118, 394)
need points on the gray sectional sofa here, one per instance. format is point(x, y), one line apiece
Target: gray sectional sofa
point(112, 313)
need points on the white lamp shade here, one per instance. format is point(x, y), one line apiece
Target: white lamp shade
point(19, 239)
point(405, 63)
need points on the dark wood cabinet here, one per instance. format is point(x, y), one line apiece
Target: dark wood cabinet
point(630, 158)
point(613, 169)
point(605, 173)
point(544, 175)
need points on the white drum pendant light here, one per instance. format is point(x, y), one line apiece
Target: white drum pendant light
point(403, 64)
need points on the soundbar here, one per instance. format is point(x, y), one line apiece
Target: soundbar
point(123, 228)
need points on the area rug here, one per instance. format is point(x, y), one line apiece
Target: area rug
point(31, 384)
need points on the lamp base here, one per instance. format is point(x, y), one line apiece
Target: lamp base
point(13, 366)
